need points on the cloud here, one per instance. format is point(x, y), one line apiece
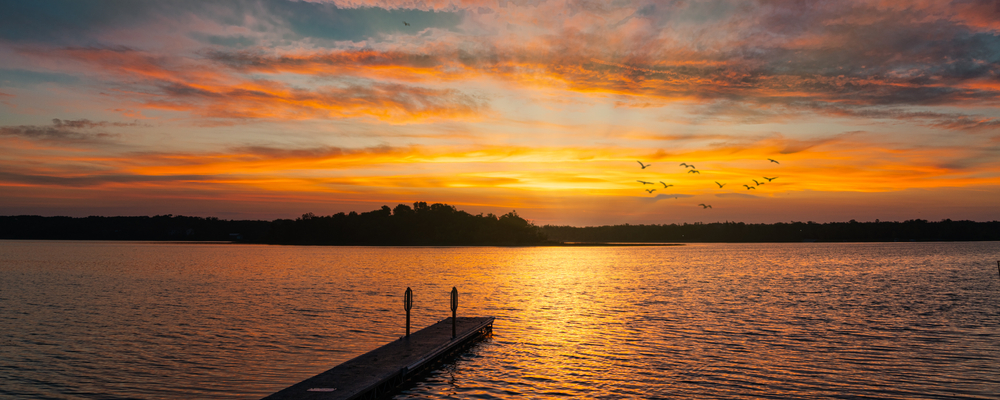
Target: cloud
point(250, 160)
point(355, 62)
point(46, 132)
point(66, 130)
point(772, 79)
point(312, 153)
point(387, 102)
point(737, 195)
point(184, 85)
point(951, 121)
point(88, 124)
point(659, 197)
point(773, 59)
point(87, 180)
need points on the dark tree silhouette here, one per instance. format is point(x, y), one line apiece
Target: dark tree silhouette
point(160, 227)
point(441, 224)
point(852, 231)
point(423, 224)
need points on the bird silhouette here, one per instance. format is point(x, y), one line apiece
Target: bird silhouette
point(772, 160)
point(694, 171)
point(758, 183)
point(665, 185)
point(749, 187)
point(720, 184)
point(406, 23)
point(644, 182)
point(703, 206)
point(770, 179)
point(643, 165)
point(650, 190)
point(684, 165)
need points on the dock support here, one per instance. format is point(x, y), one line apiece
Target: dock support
point(454, 307)
point(407, 305)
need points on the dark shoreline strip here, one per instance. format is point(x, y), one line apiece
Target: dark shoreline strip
point(382, 371)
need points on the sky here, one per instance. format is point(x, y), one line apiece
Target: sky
point(271, 109)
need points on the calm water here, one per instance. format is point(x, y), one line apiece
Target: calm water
point(166, 321)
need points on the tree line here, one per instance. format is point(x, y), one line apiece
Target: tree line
point(852, 231)
point(444, 225)
point(160, 227)
point(422, 224)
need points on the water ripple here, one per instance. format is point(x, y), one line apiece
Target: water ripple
point(164, 321)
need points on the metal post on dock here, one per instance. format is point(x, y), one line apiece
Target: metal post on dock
point(407, 305)
point(454, 306)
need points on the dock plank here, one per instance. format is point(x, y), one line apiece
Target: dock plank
point(382, 370)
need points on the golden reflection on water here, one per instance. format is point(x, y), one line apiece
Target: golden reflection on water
point(150, 320)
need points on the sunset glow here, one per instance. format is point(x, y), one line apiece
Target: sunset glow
point(271, 109)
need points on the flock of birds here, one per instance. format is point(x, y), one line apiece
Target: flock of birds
point(694, 170)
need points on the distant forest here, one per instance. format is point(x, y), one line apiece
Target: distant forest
point(423, 224)
point(435, 225)
point(444, 225)
point(853, 231)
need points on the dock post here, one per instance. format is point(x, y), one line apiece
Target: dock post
point(454, 306)
point(407, 305)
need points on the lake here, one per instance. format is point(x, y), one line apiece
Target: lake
point(117, 320)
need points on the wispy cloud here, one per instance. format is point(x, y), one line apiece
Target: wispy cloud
point(66, 130)
point(207, 93)
point(90, 180)
point(88, 124)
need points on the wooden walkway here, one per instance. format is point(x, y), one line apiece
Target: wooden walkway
point(380, 372)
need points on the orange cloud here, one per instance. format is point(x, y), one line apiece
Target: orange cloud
point(537, 180)
point(839, 164)
point(191, 87)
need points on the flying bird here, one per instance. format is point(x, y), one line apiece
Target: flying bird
point(749, 187)
point(720, 184)
point(703, 206)
point(644, 182)
point(770, 179)
point(643, 165)
point(650, 190)
point(694, 171)
point(772, 160)
point(684, 165)
point(406, 23)
point(665, 185)
point(758, 183)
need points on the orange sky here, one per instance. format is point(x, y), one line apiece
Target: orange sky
point(271, 109)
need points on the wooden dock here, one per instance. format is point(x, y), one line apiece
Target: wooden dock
point(380, 372)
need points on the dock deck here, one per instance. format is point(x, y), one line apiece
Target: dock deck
point(381, 371)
